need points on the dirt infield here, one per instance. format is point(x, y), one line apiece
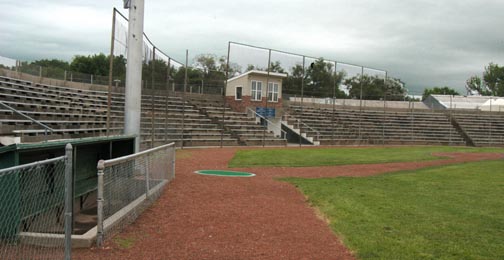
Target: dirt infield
point(209, 217)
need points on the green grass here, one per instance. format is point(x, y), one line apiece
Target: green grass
point(341, 156)
point(124, 242)
point(449, 212)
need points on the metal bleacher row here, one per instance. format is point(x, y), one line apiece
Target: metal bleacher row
point(74, 113)
point(354, 126)
point(484, 129)
point(199, 121)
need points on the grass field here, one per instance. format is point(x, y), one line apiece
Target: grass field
point(449, 212)
point(341, 156)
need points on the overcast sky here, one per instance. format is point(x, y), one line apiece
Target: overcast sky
point(425, 43)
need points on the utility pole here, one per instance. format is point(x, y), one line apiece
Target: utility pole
point(133, 99)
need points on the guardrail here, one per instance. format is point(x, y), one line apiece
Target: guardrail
point(128, 184)
point(283, 134)
point(46, 128)
point(299, 122)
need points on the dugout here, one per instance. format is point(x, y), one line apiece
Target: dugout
point(86, 153)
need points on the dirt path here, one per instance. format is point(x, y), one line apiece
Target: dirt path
point(208, 217)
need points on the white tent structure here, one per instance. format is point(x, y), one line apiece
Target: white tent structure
point(493, 104)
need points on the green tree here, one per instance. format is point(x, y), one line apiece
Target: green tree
point(250, 67)
point(492, 82)
point(292, 84)
point(319, 80)
point(207, 62)
point(52, 68)
point(376, 88)
point(494, 79)
point(53, 63)
point(212, 74)
point(476, 84)
point(119, 69)
point(276, 67)
point(97, 64)
point(439, 90)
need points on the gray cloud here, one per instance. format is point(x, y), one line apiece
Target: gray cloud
point(425, 43)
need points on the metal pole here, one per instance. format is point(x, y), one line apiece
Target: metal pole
point(133, 95)
point(111, 68)
point(384, 107)
point(174, 160)
point(167, 97)
point(68, 201)
point(153, 91)
point(99, 202)
point(147, 177)
point(302, 97)
point(385, 92)
point(361, 83)
point(183, 97)
point(224, 95)
point(333, 102)
point(360, 103)
point(267, 96)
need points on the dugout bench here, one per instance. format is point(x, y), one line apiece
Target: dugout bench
point(21, 209)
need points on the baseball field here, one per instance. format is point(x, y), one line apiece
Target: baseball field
point(419, 202)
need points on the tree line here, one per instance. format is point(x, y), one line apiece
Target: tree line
point(209, 70)
point(319, 77)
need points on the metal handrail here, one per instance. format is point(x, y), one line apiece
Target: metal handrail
point(115, 161)
point(27, 117)
point(278, 125)
point(33, 164)
point(299, 121)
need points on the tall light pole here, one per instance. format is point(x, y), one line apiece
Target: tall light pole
point(133, 98)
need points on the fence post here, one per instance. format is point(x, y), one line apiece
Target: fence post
point(68, 201)
point(99, 201)
point(147, 177)
point(173, 162)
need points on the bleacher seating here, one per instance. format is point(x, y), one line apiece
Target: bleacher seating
point(198, 120)
point(244, 127)
point(484, 128)
point(346, 126)
point(71, 113)
point(172, 119)
point(74, 113)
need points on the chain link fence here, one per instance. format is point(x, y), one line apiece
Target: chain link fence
point(129, 184)
point(33, 217)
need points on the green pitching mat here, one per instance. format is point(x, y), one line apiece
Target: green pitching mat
point(225, 173)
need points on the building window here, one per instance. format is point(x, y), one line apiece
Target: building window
point(273, 92)
point(256, 90)
point(238, 93)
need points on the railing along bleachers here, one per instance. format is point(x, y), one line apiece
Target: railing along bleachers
point(353, 126)
point(239, 124)
point(74, 113)
point(172, 118)
point(484, 128)
point(71, 113)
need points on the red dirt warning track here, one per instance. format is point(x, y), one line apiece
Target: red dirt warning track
point(209, 217)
